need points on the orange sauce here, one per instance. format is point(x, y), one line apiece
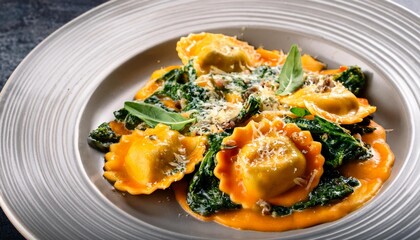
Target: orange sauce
point(371, 173)
point(119, 128)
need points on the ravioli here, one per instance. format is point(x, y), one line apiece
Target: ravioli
point(216, 51)
point(330, 100)
point(152, 159)
point(269, 160)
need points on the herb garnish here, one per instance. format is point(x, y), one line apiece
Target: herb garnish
point(291, 75)
point(152, 115)
point(300, 112)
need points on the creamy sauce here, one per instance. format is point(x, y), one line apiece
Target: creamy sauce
point(371, 173)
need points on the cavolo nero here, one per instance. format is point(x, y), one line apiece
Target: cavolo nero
point(332, 187)
point(353, 79)
point(338, 145)
point(204, 196)
point(102, 137)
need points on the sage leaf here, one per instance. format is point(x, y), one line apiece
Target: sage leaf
point(153, 115)
point(291, 75)
point(300, 112)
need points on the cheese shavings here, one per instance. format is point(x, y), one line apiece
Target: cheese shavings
point(152, 159)
point(267, 163)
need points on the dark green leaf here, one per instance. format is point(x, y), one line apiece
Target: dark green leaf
point(121, 114)
point(190, 71)
point(361, 127)
point(353, 79)
point(291, 75)
point(102, 137)
point(251, 107)
point(332, 187)
point(179, 85)
point(152, 115)
point(173, 80)
point(194, 96)
point(338, 145)
point(204, 196)
point(130, 121)
point(157, 102)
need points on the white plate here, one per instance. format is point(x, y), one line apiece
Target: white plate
point(51, 181)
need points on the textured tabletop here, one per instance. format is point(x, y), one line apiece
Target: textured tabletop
point(25, 23)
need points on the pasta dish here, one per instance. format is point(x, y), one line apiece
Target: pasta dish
point(250, 138)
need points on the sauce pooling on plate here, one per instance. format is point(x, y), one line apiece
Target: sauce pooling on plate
point(371, 173)
point(271, 141)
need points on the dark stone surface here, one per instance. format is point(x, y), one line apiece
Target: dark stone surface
point(23, 25)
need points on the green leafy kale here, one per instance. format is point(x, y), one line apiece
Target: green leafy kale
point(251, 107)
point(237, 81)
point(179, 85)
point(173, 80)
point(361, 127)
point(194, 96)
point(204, 196)
point(130, 121)
point(189, 71)
point(120, 115)
point(353, 79)
point(156, 101)
point(332, 187)
point(102, 137)
point(338, 145)
point(265, 71)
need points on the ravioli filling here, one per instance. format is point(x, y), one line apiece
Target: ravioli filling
point(269, 166)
